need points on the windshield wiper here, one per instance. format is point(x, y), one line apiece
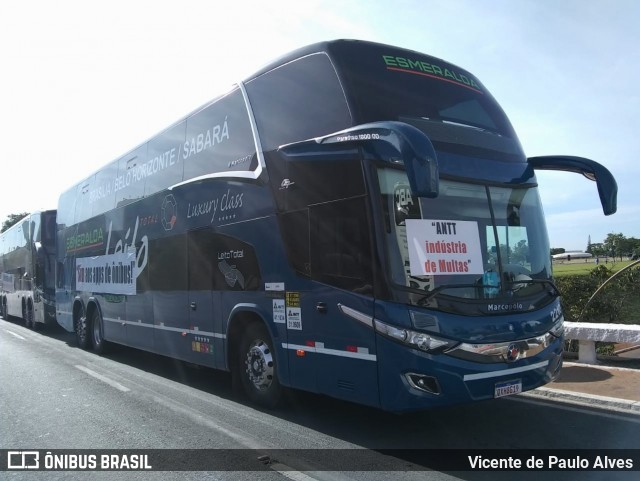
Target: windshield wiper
point(471, 126)
point(439, 289)
point(554, 289)
point(426, 298)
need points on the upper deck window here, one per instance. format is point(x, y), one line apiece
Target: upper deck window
point(447, 103)
point(298, 101)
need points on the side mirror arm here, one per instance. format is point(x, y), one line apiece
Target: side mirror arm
point(607, 186)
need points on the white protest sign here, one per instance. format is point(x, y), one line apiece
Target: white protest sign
point(438, 247)
point(109, 274)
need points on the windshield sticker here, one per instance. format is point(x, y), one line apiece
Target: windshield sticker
point(438, 247)
point(407, 206)
point(420, 67)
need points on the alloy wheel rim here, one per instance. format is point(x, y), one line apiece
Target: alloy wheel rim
point(259, 365)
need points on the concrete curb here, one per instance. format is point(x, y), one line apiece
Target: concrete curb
point(603, 367)
point(592, 400)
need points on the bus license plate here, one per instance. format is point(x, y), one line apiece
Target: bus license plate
point(508, 388)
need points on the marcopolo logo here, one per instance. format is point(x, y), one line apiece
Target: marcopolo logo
point(513, 352)
point(516, 306)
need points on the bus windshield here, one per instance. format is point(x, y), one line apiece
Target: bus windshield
point(475, 243)
point(447, 103)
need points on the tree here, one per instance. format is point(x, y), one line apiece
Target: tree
point(613, 244)
point(520, 252)
point(598, 249)
point(13, 219)
point(505, 252)
point(557, 250)
point(635, 247)
point(627, 245)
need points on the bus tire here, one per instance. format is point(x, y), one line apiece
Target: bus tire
point(82, 331)
point(97, 333)
point(31, 317)
point(256, 367)
point(27, 314)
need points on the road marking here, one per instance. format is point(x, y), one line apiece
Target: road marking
point(102, 378)
point(245, 440)
point(288, 473)
point(16, 335)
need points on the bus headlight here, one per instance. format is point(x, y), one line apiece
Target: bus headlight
point(418, 340)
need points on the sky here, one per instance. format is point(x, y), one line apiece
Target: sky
point(82, 83)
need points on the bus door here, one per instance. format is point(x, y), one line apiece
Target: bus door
point(325, 226)
point(341, 302)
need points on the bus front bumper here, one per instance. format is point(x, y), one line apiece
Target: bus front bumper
point(413, 380)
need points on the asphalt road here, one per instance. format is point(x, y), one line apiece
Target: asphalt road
point(56, 396)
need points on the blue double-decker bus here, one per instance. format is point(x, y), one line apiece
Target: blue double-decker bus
point(354, 219)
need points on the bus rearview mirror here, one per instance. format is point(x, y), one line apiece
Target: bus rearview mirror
point(607, 186)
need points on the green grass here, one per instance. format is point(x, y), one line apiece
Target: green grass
point(579, 267)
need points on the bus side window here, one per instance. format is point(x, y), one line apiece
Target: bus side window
point(340, 244)
point(317, 187)
point(295, 232)
point(298, 101)
point(103, 195)
point(219, 138)
point(83, 200)
point(221, 263)
point(170, 273)
point(129, 185)
point(164, 165)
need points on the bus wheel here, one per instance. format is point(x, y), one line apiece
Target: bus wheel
point(34, 325)
point(28, 316)
point(97, 333)
point(257, 367)
point(82, 334)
